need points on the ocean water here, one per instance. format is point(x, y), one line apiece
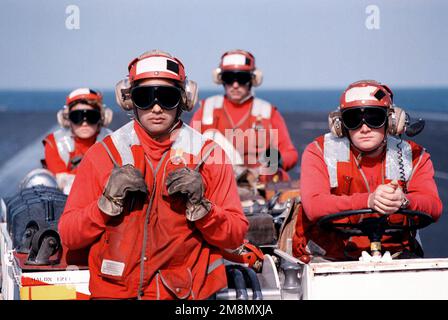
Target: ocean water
point(418, 99)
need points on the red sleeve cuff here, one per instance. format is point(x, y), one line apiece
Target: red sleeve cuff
point(97, 216)
point(360, 201)
point(208, 219)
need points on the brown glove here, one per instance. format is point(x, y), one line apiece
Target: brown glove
point(121, 181)
point(189, 182)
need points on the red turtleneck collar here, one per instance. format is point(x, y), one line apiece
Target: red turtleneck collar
point(153, 149)
point(82, 145)
point(237, 110)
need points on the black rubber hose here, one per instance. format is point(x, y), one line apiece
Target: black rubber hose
point(238, 282)
point(251, 277)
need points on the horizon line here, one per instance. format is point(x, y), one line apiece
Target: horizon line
point(218, 88)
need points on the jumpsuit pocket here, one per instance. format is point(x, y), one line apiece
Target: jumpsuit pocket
point(346, 183)
point(120, 253)
point(178, 281)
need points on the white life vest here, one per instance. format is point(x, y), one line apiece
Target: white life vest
point(188, 140)
point(65, 143)
point(338, 150)
point(260, 108)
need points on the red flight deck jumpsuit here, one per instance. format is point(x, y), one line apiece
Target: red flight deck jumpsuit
point(219, 113)
point(331, 182)
point(151, 251)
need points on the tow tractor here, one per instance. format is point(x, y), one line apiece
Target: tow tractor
point(34, 264)
point(375, 275)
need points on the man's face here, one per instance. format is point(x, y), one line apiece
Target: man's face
point(83, 130)
point(366, 126)
point(367, 139)
point(236, 91)
point(156, 120)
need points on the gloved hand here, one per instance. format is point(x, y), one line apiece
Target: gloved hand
point(189, 182)
point(272, 159)
point(121, 181)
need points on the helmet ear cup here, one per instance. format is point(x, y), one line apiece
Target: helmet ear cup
point(335, 124)
point(257, 78)
point(396, 120)
point(191, 93)
point(62, 117)
point(123, 94)
point(106, 116)
point(216, 74)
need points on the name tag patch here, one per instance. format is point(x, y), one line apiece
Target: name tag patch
point(112, 268)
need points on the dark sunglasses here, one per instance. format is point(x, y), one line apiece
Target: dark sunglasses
point(167, 97)
point(88, 115)
point(229, 77)
point(373, 117)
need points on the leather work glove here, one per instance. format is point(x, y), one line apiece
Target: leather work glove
point(189, 183)
point(122, 180)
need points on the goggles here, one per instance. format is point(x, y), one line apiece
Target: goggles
point(91, 116)
point(167, 97)
point(373, 117)
point(229, 77)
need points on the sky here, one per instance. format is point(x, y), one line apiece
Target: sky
point(48, 45)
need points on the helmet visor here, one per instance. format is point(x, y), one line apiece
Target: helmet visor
point(79, 116)
point(145, 97)
point(229, 77)
point(373, 117)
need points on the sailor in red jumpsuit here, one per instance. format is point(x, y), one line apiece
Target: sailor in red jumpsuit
point(155, 202)
point(254, 127)
point(83, 121)
point(358, 166)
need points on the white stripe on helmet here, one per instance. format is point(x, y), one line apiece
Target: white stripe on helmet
point(154, 64)
point(234, 59)
point(79, 92)
point(360, 93)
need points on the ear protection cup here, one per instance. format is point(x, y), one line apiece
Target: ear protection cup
point(335, 123)
point(106, 116)
point(257, 78)
point(123, 94)
point(62, 117)
point(216, 75)
point(396, 120)
point(192, 94)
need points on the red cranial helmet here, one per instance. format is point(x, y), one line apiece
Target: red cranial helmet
point(156, 64)
point(366, 93)
point(238, 60)
point(86, 94)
